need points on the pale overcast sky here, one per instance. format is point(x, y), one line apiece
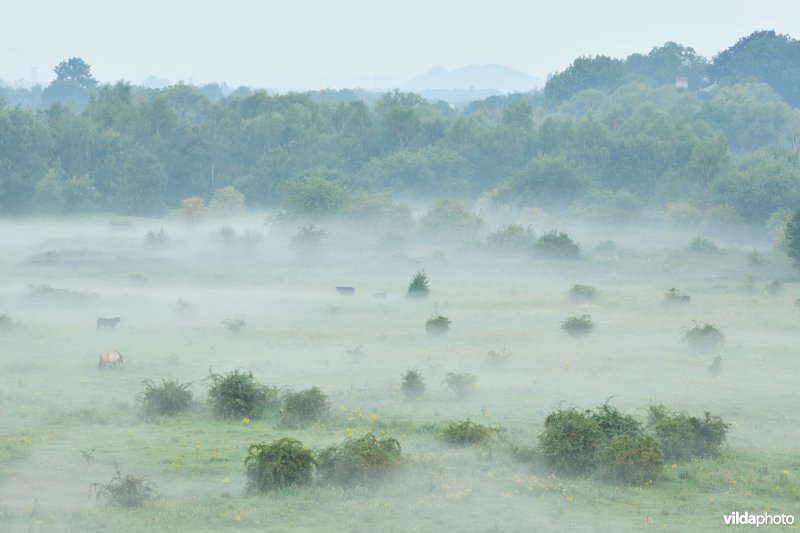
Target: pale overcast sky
point(315, 43)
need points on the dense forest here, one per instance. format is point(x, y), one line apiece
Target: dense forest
point(606, 139)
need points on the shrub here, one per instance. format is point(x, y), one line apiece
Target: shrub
point(192, 209)
point(235, 325)
point(756, 259)
point(496, 359)
point(674, 296)
point(413, 385)
point(466, 432)
point(790, 236)
point(156, 238)
point(308, 239)
point(304, 407)
point(449, 220)
point(125, 491)
point(774, 287)
point(239, 394)
point(418, 288)
point(169, 398)
point(583, 293)
point(279, 464)
point(681, 214)
point(701, 245)
point(437, 325)
point(6, 322)
point(685, 437)
point(227, 200)
point(184, 308)
point(227, 235)
point(362, 461)
point(613, 423)
point(511, 238)
point(578, 326)
point(634, 459)
point(570, 441)
point(703, 337)
point(463, 385)
point(557, 245)
point(715, 368)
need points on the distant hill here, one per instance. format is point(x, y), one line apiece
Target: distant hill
point(483, 78)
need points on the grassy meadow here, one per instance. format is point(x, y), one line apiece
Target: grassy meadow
point(65, 425)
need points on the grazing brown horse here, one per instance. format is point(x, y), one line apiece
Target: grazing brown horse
point(112, 359)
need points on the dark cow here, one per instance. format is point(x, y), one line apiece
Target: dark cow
point(110, 359)
point(108, 323)
point(346, 291)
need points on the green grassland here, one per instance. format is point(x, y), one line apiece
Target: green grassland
point(65, 425)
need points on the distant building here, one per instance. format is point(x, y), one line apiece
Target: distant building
point(682, 82)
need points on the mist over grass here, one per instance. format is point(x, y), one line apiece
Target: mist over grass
point(66, 425)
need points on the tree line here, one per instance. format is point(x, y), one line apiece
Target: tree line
point(605, 138)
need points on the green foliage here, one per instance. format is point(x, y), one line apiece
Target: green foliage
point(497, 359)
point(304, 407)
point(308, 240)
point(607, 207)
point(362, 461)
point(703, 337)
point(633, 459)
point(281, 463)
point(239, 394)
point(438, 325)
point(192, 210)
point(156, 237)
point(313, 196)
point(462, 385)
point(170, 398)
point(235, 325)
point(546, 181)
point(126, 491)
point(685, 437)
point(449, 220)
point(226, 200)
point(578, 326)
point(466, 432)
point(557, 245)
point(613, 423)
point(6, 322)
point(681, 214)
point(413, 386)
point(418, 288)
point(701, 245)
point(792, 237)
point(583, 293)
point(511, 238)
point(571, 441)
point(48, 195)
point(80, 195)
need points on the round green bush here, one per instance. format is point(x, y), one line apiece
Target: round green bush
point(685, 437)
point(239, 394)
point(438, 325)
point(362, 461)
point(570, 441)
point(303, 407)
point(578, 326)
point(279, 464)
point(704, 337)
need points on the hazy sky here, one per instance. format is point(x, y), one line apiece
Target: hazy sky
point(314, 43)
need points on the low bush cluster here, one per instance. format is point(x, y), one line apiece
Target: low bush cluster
point(617, 447)
point(583, 294)
point(438, 325)
point(466, 432)
point(462, 385)
point(578, 326)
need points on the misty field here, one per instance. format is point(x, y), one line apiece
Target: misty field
point(202, 299)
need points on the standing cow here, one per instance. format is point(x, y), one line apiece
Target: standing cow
point(108, 323)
